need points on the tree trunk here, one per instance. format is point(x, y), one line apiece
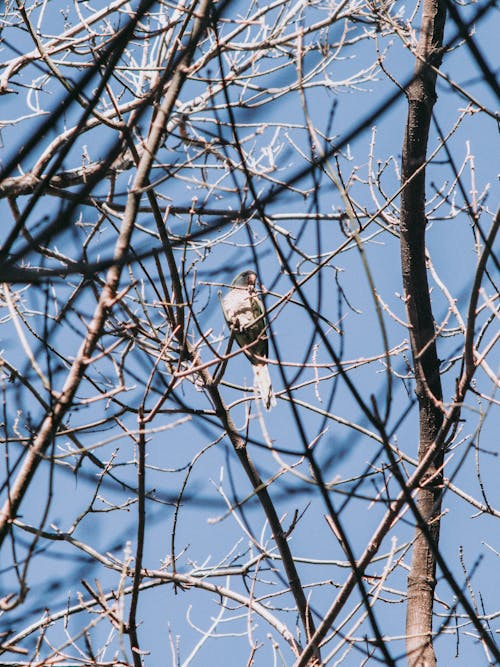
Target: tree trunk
point(421, 95)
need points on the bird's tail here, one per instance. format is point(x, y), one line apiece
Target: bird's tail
point(262, 385)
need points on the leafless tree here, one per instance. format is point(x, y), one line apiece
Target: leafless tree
point(153, 511)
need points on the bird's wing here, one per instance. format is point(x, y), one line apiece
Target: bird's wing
point(258, 328)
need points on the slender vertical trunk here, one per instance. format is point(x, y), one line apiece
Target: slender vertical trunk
point(421, 97)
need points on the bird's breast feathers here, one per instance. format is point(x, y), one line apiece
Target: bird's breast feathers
point(240, 308)
point(245, 316)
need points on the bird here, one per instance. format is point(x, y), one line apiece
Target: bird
point(246, 318)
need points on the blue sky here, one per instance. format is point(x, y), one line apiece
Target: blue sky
point(277, 145)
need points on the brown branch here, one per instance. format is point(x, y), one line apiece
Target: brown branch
point(64, 401)
point(262, 493)
point(27, 183)
point(470, 365)
point(421, 95)
point(416, 481)
point(141, 525)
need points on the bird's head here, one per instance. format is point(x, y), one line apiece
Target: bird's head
point(245, 279)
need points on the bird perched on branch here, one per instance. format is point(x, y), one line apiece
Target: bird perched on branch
point(245, 316)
